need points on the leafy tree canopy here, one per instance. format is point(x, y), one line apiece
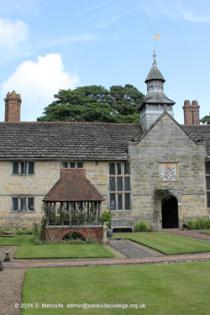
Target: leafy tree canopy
point(119, 104)
point(206, 119)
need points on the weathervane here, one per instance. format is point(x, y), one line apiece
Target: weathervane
point(157, 36)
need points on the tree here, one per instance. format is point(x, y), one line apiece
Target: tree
point(95, 103)
point(206, 119)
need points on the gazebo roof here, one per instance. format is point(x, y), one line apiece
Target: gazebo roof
point(73, 186)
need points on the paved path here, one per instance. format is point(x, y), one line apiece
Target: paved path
point(10, 290)
point(41, 263)
point(133, 250)
point(10, 285)
point(191, 233)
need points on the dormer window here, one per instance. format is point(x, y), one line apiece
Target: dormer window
point(22, 167)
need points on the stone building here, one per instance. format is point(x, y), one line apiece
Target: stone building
point(157, 171)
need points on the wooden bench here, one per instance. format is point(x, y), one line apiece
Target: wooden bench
point(122, 223)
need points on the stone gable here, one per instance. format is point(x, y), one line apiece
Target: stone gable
point(166, 142)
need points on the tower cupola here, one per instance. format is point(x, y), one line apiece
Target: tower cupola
point(155, 102)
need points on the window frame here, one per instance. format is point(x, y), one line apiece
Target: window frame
point(76, 163)
point(121, 172)
point(23, 204)
point(23, 168)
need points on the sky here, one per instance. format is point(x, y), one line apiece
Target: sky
point(47, 45)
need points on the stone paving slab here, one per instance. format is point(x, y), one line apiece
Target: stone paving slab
point(133, 250)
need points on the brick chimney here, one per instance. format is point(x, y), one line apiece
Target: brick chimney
point(12, 107)
point(191, 113)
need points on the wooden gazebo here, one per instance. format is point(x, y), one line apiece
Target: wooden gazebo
point(73, 204)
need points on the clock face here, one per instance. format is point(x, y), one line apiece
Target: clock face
point(168, 172)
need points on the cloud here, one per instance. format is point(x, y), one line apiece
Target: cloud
point(28, 7)
point(90, 9)
point(12, 33)
point(69, 40)
point(192, 17)
point(174, 10)
point(37, 82)
point(14, 39)
point(107, 23)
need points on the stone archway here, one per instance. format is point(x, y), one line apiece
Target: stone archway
point(170, 215)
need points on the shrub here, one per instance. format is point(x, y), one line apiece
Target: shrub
point(191, 225)
point(23, 231)
point(7, 231)
point(12, 231)
point(37, 241)
point(106, 218)
point(200, 224)
point(74, 236)
point(38, 233)
point(141, 226)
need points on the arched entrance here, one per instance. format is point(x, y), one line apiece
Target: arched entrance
point(170, 216)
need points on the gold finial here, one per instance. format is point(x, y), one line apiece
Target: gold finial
point(157, 36)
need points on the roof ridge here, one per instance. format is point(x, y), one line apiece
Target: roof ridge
point(66, 122)
point(195, 126)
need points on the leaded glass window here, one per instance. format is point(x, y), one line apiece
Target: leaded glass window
point(119, 186)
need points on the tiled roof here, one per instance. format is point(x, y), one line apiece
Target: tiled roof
point(66, 140)
point(200, 134)
point(76, 140)
point(73, 186)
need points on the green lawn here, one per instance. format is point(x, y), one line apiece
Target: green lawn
point(172, 289)
point(16, 240)
point(27, 250)
point(167, 243)
point(63, 251)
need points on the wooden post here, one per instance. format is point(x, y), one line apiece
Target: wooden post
point(61, 212)
point(54, 211)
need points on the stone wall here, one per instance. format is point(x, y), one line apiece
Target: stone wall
point(37, 185)
point(166, 142)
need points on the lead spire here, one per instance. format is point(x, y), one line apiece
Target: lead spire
point(154, 58)
point(154, 73)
